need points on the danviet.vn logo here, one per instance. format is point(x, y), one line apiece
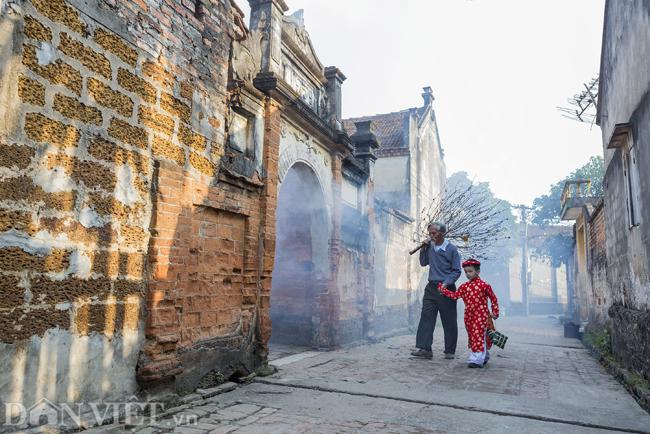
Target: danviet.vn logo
point(83, 414)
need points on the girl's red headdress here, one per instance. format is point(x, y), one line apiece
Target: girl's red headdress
point(471, 262)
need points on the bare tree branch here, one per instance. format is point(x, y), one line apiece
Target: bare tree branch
point(476, 221)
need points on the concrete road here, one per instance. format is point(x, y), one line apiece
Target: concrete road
point(541, 383)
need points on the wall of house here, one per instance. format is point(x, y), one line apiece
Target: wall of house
point(428, 166)
point(394, 180)
point(356, 264)
point(400, 280)
point(353, 281)
point(600, 295)
point(625, 98)
point(113, 118)
point(624, 80)
point(581, 280)
point(627, 247)
point(590, 278)
point(397, 275)
point(428, 175)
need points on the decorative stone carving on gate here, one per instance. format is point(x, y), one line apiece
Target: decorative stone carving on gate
point(293, 27)
point(246, 57)
point(301, 68)
point(296, 146)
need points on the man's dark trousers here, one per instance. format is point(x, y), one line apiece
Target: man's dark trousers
point(432, 303)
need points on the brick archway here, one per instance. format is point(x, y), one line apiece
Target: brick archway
point(301, 267)
point(296, 147)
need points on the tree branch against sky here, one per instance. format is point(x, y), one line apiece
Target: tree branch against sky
point(478, 223)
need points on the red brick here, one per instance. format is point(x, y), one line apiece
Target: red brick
point(191, 319)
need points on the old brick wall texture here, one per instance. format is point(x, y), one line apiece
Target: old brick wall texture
point(110, 212)
point(600, 297)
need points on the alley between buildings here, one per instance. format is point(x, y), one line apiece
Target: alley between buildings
point(184, 201)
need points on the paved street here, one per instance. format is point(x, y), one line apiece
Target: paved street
point(541, 383)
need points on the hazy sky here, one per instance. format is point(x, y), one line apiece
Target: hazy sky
point(498, 69)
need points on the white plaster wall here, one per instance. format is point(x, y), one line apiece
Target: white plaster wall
point(428, 174)
point(350, 193)
point(417, 178)
point(428, 164)
point(396, 272)
point(392, 174)
point(64, 367)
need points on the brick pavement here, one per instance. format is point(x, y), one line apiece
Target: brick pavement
point(541, 383)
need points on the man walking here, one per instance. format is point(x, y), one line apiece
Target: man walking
point(444, 268)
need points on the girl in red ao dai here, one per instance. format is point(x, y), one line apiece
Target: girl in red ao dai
point(475, 294)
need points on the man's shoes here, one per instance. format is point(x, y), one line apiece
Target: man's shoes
point(449, 356)
point(422, 353)
point(473, 365)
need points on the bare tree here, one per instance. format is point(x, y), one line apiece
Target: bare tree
point(477, 222)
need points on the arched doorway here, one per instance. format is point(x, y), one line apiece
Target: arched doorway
point(301, 257)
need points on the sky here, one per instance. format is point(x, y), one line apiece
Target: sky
point(498, 70)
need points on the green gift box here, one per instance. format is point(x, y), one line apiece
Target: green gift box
point(498, 339)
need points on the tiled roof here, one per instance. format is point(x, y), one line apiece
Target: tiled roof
point(390, 128)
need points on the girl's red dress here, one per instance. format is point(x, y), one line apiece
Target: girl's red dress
point(475, 294)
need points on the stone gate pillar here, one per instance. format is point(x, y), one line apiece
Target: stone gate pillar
point(329, 299)
point(266, 18)
point(365, 145)
point(335, 79)
point(272, 128)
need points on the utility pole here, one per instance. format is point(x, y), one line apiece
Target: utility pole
point(523, 216)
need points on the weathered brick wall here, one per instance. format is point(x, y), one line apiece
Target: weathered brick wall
point(75, 189)
point(112, 129)
point(206, 282)
point(600, 297)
